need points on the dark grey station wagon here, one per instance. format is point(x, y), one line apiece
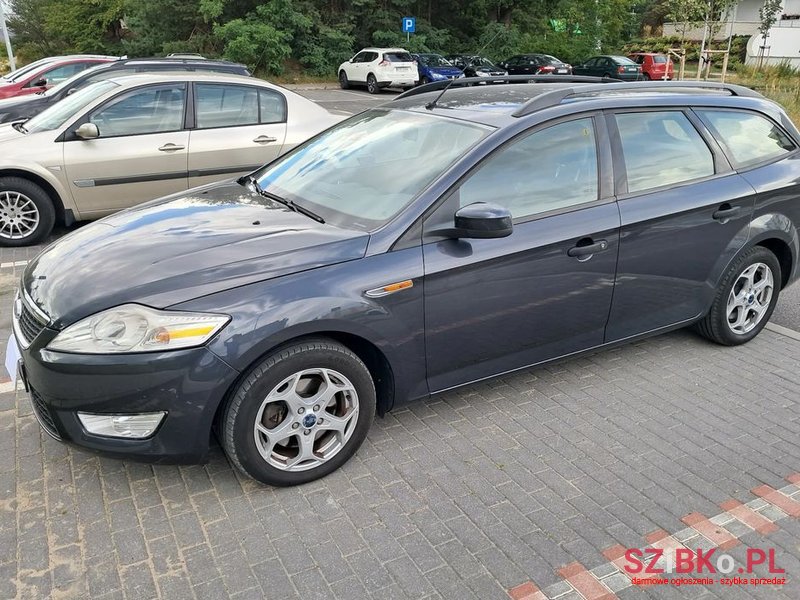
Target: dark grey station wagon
point(422, 245)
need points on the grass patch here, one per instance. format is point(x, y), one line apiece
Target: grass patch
point(780, 83)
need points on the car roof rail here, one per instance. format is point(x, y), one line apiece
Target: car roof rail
point(556, 97)
point(463, 81)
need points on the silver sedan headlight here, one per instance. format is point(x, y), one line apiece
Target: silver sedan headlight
point(136, 328)
point(481, 74)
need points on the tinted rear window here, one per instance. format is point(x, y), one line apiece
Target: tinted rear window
point(397, 56)
point(623, 60)
point(748, 137)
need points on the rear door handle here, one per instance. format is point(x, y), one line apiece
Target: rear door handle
point(726, 211)
point(171, 147)
point(265, 139)
point(584, 250)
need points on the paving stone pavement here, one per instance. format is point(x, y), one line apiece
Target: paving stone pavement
point(466, 495)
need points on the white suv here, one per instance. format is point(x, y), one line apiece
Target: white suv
point(379, 68)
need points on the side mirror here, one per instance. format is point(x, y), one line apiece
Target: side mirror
point(479, 220)
point(40, 82)
point(88, 131)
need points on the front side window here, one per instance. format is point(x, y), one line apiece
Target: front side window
point(225, 105)
point(364, 171)
point(748, 137)
point(662, 148)
point(551, 169)
point(149, 110)
point(360, 57)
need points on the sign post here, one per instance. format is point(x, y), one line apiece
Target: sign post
point(409, 26)
point(4, 32)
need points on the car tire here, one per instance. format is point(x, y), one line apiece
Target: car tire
point(646, 76)
point(22, 201)
point(287, 390)
point(745, 299)
point(372, 84)
point(425, 80)
point(607, 75)
point(344, 83)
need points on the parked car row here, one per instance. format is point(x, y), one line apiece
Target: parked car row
point(131, 130)
point(379, 68)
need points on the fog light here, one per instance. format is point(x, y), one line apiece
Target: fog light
point(135, 426)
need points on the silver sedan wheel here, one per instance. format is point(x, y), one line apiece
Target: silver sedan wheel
point(19, 216)
point(750, 298)
point(306, 419)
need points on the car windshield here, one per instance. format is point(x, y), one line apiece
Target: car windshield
point(364, 171)
point(434, 60)
point(482, 62)
point(69, 83)
point(58, 114)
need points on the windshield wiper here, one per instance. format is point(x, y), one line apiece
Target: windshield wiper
point(285, 201)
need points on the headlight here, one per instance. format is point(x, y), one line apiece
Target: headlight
point(437, 76)
point(481, 74)
point(135, 328)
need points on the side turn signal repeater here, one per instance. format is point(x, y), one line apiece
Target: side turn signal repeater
point(389, 289)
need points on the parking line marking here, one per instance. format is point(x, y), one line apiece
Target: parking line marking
point(10, 265)
point(718, 535)
point(774, 497)
point(526, 591)
point(749, 517)
point(585, 583)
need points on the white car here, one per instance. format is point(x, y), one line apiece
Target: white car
point(378, 68)
point(128, 139)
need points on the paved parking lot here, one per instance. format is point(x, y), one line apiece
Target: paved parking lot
point(529, 486)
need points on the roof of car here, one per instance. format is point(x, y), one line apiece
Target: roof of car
point(130, 79)
point(498, 104)
point(383, 50)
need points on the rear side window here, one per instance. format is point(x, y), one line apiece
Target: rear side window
point(397, 56)
point(662, 148)
point(660, 60)
point(272, 106)
point(225, 105)
point(748, 137)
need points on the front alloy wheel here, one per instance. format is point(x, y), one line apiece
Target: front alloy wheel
point(300, 414)
point(27, 214)
point(745, 298)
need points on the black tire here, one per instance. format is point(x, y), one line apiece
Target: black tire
point(344, 83)
point(425, 80)
point(238, 420)
point(372, 84)
point(607, 75)
point(646, 76)
point(714, 325)
point(43, 203)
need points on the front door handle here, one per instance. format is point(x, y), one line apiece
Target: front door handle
point(265, 139)
point(587, 248)
point(171, 147)
point(726, 211)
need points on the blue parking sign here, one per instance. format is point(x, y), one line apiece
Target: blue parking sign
point(409, 24)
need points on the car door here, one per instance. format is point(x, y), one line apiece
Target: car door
point(237, 129)
point(140, 154)
point(587, 68)
point(357, 70)
point(685, 214)
point(493, 305)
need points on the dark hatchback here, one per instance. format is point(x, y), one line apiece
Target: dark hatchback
point(613, 67)
point(25, 107)
point(536, 64)
point(413, 248)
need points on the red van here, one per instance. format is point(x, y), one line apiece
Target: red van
point(26, 81)
point(653, 64)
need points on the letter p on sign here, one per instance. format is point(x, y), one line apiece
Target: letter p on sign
point(409, 24)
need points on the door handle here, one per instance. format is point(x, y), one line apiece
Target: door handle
point(265, 139)
point(588, 248)
point(171, 147)
point(726, 211)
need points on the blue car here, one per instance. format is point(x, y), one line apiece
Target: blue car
point(435, 67)
point(424, 244)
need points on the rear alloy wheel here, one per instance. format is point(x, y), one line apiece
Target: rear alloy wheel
point(300, 414)
point(343, 81)
point(27, 215)
point(372, 85)
point(745, 299)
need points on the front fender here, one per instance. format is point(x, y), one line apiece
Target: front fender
point(329, 300)
point(54, 176)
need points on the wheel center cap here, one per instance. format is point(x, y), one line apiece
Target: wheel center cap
point(309, 420)
point(751, 298)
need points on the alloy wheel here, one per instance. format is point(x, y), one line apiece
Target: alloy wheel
point(306, 419)
point(750, 298)
point(19, 215)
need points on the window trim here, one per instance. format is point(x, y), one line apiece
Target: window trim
point(69, 133)
point(753, 164)
point(720, 163)
point(258, 89)
point(604, 184)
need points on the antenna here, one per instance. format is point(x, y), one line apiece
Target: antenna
point(432, 104)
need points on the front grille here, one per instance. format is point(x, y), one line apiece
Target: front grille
point(29, 324)
point(42, 413)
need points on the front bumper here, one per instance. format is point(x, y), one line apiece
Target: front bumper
point(187, 384)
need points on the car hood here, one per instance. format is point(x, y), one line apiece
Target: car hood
point(22, 102)
point(8, 133)
point(179, 248)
